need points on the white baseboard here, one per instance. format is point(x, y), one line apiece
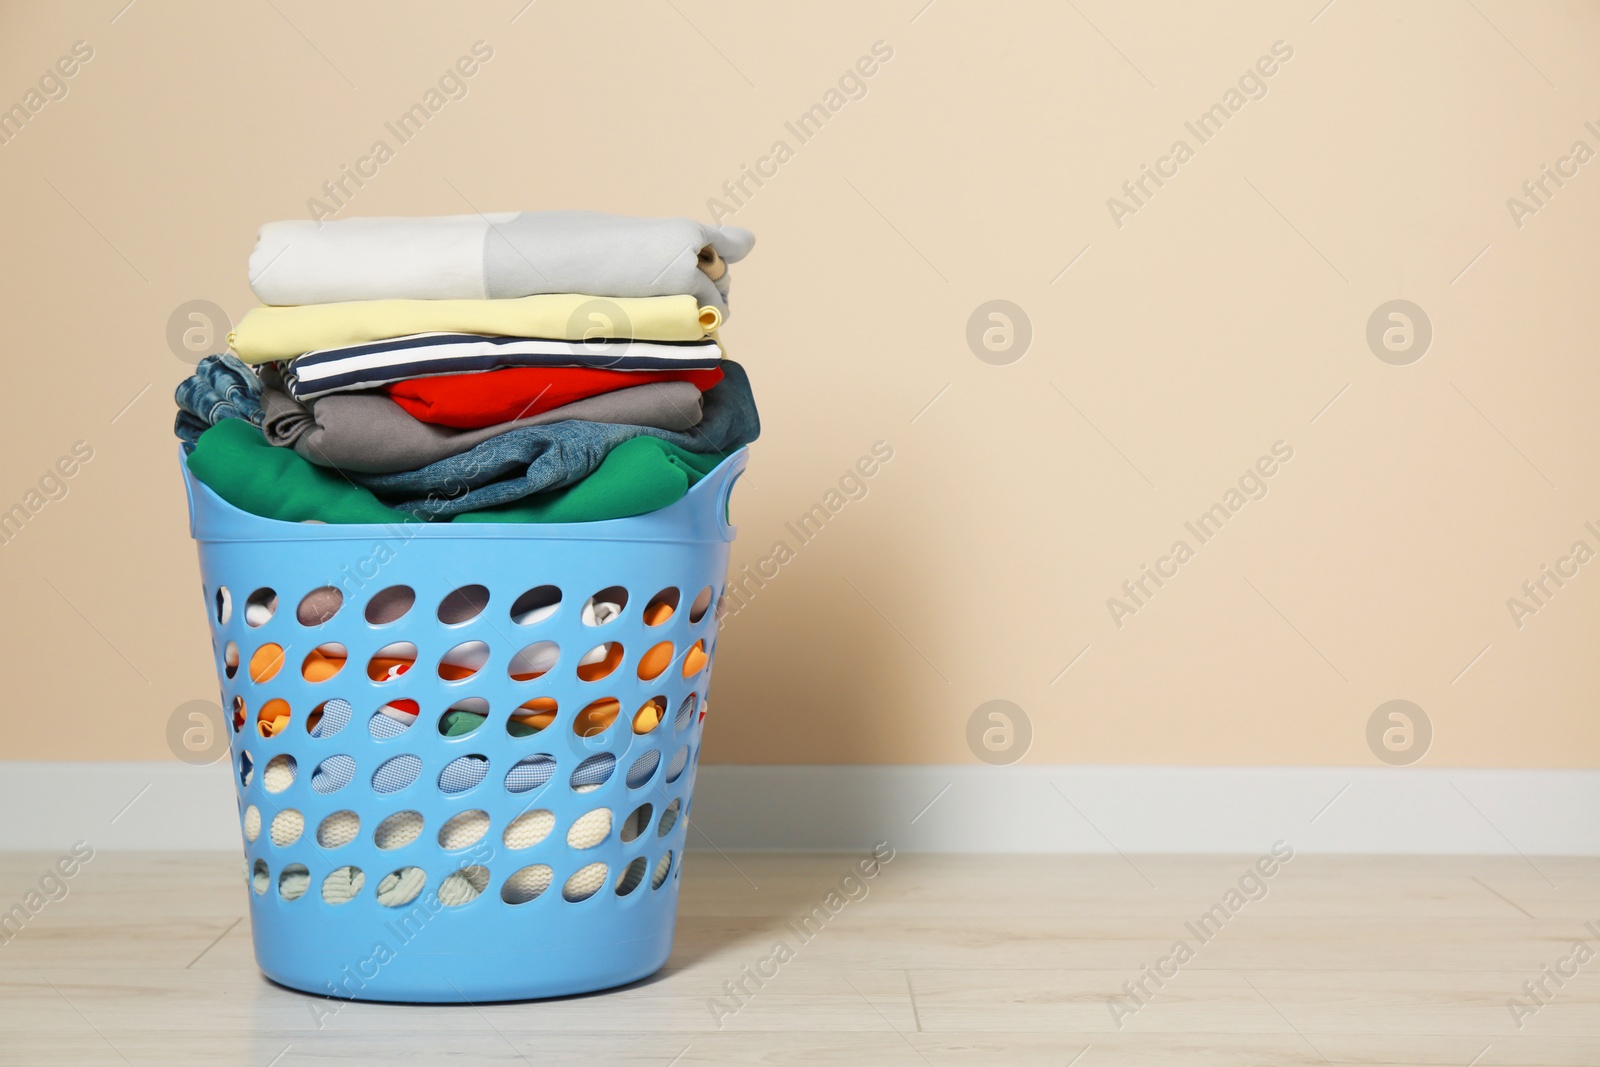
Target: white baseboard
point(936, 809)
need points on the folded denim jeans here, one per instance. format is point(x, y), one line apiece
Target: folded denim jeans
point(222, 387)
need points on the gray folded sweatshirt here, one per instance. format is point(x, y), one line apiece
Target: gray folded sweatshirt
point(371, 434)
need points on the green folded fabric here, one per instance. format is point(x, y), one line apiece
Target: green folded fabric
point(640, 475)
point(236, 463)
point(458, 723)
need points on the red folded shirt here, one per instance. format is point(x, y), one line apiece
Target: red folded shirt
point(470, 401)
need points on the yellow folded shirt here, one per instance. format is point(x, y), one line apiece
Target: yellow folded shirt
point(268, 333)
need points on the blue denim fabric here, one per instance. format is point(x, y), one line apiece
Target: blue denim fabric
point(221, 388)
point(534, 459)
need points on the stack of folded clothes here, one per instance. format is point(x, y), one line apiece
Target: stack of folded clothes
point(558, 366)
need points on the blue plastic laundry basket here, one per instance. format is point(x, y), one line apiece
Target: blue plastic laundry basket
point(387, 861)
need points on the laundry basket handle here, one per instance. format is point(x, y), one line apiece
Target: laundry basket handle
point(721, 482)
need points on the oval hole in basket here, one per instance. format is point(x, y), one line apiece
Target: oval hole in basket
point(597, 718)
point(393, 719)
point(590, 829)
point(395, 774)
point(342, 885)
point(293, 881)
point(534, 661)
point(463, 886)
point(680, 760)
point(273, 718)
point(329, 717)
point(605, 606)
point(463, 604)
point(338, 829)
point(463, 773)
point(649, 715)
point(463, 661)
point(585, 882)
point(663, 865)
point(319, 606)
point(600, 661)
point(389, 605)
point(637, 822)
point(400, 887)
point(531, 717)
point(333, 774)
point(398, 830)
point(669, 817)
point(643, 769)
point(654, 663)
point(266, 662)
point(685, 716)
point(632, 876)
point(324, 661)
point(260, 607)
point(526, 884)
point(536, 605)
point(278, 774)
point(661, 606)
point(702, 604)
point(593, 772)
point(464, 717)
point(528, 829)
point(287, 826)
point(530, 773)
point(463, 830)
point(391, 661)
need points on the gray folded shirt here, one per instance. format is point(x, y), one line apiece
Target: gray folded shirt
point(370, 433)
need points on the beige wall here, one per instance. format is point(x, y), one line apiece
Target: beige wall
point(1226, 314)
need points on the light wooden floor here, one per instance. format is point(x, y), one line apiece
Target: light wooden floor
point(948, 960)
